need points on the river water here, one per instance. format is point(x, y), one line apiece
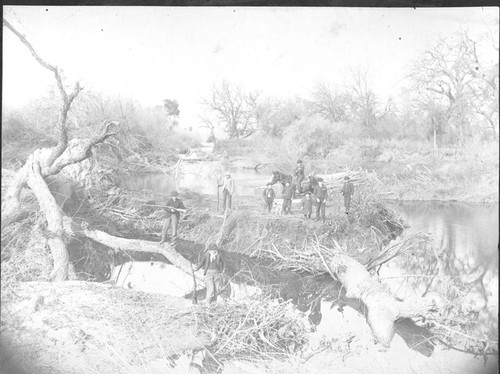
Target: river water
point(465, 236)
point(465, 233)
point(201, 177)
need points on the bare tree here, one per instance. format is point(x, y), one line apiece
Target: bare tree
point(331, 104)
point(229, 105)
point(210, 126)
point(265, 113)
point(450, 74)
point(363, 101)
point(486, 91)
point(47, 162)
point(171, 108)
point(487, 97)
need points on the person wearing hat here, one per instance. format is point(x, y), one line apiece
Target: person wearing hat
point(347, 191)
point(307, 204)
point(268, 196)
point(321, 194)
point(227, 191)
point(299, 175)
point(174, 207)
point(287, 194)
point(213, 268)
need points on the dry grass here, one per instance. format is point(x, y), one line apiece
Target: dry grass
point(262, 328)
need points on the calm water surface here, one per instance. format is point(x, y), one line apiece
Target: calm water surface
point(465, 236)
point(201, 177)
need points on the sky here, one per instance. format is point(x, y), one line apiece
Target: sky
point(155, 53)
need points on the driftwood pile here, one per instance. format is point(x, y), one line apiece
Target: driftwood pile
point(361, 178)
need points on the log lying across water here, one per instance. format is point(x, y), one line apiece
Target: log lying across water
point(134, 245)
point(383, 309)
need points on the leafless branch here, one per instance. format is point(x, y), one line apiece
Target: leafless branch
point(67, 100)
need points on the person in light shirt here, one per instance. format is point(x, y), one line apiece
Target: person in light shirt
point(227, 191)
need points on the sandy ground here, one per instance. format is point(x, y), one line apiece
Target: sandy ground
point(80, 327)
point(352, 348)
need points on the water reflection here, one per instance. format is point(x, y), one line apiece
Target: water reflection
point(461, 265)
point(308, 292)
point(468, 231)
point(200, 176)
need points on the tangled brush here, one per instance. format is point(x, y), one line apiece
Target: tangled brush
point(260, 328)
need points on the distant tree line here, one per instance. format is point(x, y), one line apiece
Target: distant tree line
point(452, 97)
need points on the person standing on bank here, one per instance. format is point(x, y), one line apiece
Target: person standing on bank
point(268, 196)
point(347, 191)
point(227, 191)
point(174, 208)
point(213, 267)
point(299, 175)
point(320, 194)
point(307, 204)
point(287, 198)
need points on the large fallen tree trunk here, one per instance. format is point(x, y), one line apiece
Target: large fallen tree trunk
point(133, 245)
point(33, 175)
point(382, 307)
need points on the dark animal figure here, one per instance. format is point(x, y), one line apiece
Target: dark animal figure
point(307, 185)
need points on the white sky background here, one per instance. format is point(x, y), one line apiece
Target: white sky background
point(154, 53)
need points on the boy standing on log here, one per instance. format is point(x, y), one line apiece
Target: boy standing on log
point(299, 175)
point(174, 208)
point(347, 191)
point(287, 198)
point(213, 267)
point(307, 204)
point(321, 194)
point(268, 196)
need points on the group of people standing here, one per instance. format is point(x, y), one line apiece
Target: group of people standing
point(317, 197)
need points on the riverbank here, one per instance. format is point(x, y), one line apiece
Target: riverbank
point(408, 170)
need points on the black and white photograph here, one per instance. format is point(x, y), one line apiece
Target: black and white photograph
point(249, 190)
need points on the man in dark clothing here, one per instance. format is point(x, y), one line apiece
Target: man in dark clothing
point(287, 198)
point(299, 175)
point(174, 208)
point(307, 204)
point(268, 196)
point(321, 194)
point(347, 191)
point(213, 267)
